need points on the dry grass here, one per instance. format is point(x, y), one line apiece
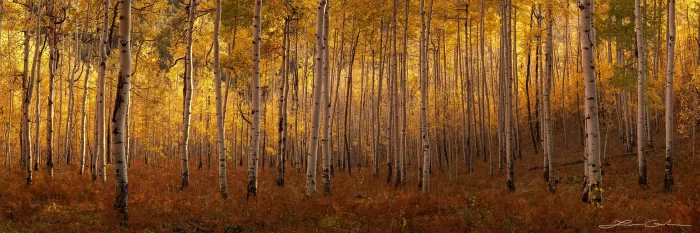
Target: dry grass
point(479, 203)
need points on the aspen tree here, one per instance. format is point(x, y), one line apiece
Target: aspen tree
point(83, 120)
point(425, 141)
point(28, 84)
point(641, 96)
point(670, 62)
point(36, 72)
point(100, 150)
point(592, 188)
point(53, 59)
point(508, 105)
point(120, 107)
point(549, 73)
point(326, 145)
point(187, 110)
point(315, 114)
point(282, 106)
point(221, 140)
point(71, 103)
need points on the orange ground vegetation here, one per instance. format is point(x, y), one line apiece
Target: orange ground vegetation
point(476, 203)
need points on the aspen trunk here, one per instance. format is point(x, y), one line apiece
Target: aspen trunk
point(315, 114)
point(326, 145)
point(100, 150)
point(120, 107)
point(28, 84)
point(221, 140)
point(37, 108)
point(425, 141)
point(671, 37)
point(641, 97)
point(592, 188)
point(547, 95)
point(508, 110)
point(282, 108)
point(187, 106)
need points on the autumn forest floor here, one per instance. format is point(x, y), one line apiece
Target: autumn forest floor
point(361, 203)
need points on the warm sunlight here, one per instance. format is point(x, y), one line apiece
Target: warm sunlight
point(349, 115)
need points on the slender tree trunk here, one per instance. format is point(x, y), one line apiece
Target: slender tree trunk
point(187, 106)
point(425, 141)
point(671, 37)
point(592, 187)
point(549, 73)
point(28, 84)
point(100, 124)
point(282, 108)
point(37, 108)
point(641, 97)
point(315, 114)
point(120, 108)
point(326, 145)
point(508, 98)
point(377, 112)
point(83, 120)
point(221, 140)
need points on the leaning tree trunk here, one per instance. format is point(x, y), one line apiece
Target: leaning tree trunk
point(221, 140)
point(641, 97)
point(671, 35)
point(187, 110)
point(311, 155)
point(120, 107)
point(255, 106)
point(592, 188)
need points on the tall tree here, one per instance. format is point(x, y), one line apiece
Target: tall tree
point(28, 85)
point(187, 110)
point(425, 140)
point(120, 107)
point(549, 73)
point(100, 150)
point(221, 140)
point(326, 141)
point(592, 187)
point(670, 62)
point(255, 106)
point(312, 151)
point(641, 96)
point(83, 115)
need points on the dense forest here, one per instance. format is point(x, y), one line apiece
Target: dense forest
point(349, 115)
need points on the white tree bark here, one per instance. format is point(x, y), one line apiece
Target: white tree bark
point(255, 105)
point(28, 84)
point(641, 97)
point(670, 62)
point(508, 105)
point(549, 73)
point(221, 140)
point(120, 108)
point(425, 140)
point(100, 124)
point(591, 192)
point(187, 110)
point(83, 121)
point(311, 157)
point(326, 145)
